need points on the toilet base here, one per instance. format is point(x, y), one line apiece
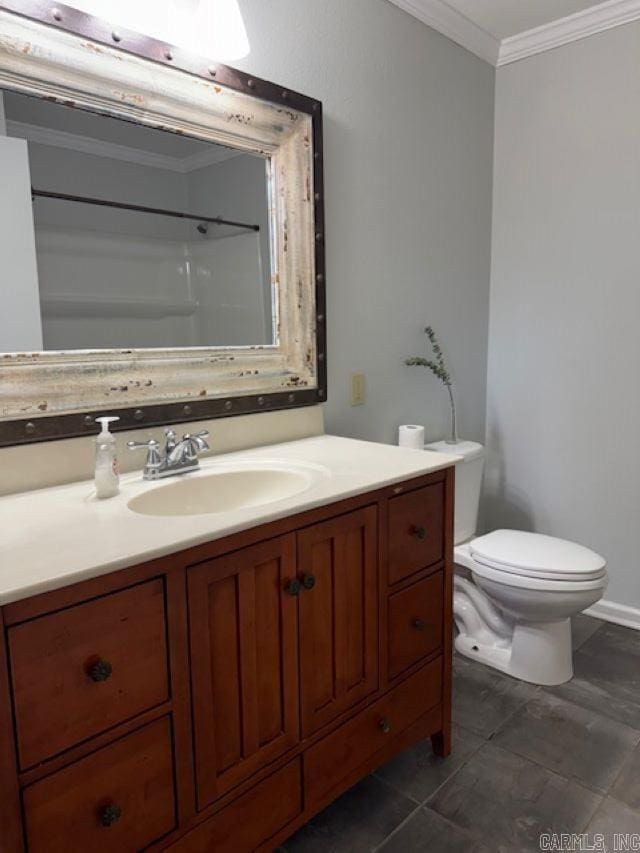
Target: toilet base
point(539, 653)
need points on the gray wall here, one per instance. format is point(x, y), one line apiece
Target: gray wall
point(20, 327)
point(408, 160)
point(564, 396)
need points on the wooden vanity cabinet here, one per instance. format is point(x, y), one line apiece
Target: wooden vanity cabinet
point(216, 699)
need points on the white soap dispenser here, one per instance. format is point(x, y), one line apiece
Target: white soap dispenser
point(107, 478)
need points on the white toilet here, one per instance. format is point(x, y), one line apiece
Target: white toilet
point(513, 607)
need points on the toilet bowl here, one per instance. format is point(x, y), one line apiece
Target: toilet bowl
point(515, 592)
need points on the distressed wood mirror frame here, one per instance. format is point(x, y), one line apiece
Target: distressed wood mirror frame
point(55, 52)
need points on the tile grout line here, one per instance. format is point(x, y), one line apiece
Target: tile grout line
point(398, 827)
point(603, 797)
point(450, 776)
point(624, 764)
point(423, 804)
point(538, 763)
point(597, 794)
point(396, 790)
point(454, 773)
point(586, 639)
point(553, 772)
point(512, 713)
point(574, 700)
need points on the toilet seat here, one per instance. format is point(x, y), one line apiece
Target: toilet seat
point(534, 556)
point(542, 584)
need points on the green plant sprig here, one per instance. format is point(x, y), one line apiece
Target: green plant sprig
point(437, 367)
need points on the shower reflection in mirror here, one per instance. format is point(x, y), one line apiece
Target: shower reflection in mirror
point(141, 238)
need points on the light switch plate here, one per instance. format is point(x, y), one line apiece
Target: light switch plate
point(358, 393)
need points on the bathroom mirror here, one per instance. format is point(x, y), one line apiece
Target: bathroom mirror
point(162, 230)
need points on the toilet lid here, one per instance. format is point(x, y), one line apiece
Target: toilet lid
point(535, 555)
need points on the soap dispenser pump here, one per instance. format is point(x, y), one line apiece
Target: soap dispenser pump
point(107, 478)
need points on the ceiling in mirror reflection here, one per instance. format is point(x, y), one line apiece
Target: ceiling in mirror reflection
point(78, 130)
point(144, 238)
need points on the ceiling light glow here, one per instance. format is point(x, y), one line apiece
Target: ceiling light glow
point(212, 28)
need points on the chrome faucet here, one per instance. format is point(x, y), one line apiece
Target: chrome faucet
point(178, 457)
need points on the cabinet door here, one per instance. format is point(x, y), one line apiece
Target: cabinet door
point(243, 634)
point(337, 564)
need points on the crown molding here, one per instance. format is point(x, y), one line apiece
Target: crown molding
point(580, 25)
point(460, 29)
point(209, 158)
point(89, 145)
point(453, 24)
point(115, 151)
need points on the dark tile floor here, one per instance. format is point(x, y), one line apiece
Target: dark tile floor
point(526, 760)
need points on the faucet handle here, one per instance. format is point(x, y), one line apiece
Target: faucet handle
point(170, 437)
point(198, 439)
point(191, 445)
point(151, 446)
point(140, 445)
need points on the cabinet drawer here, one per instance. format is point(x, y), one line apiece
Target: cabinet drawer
point(415, 623)
point(332, 759)
point(118, 798)
point(416, 523)
point(82, 670)
point(251, 819)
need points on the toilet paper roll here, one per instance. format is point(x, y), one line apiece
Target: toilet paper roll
point(411, 435)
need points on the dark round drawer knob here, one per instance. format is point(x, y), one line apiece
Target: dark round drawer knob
point(308, 581)
point(419, 624)
point(110, 814)
point(384, 725)
point(293, 587)
point(100, 670)
point(418, 531)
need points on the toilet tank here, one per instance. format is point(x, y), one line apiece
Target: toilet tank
point(468, 484)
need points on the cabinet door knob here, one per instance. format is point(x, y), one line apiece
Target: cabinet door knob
point(110, 814)
point(100, 670)
point(308, 581)
point(419, 624)
point(384, 725)
point(418, 531)
point(293, 587)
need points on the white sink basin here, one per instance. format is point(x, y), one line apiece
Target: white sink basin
point(225, 490)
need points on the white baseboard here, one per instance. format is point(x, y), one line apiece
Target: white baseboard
point(621, 614)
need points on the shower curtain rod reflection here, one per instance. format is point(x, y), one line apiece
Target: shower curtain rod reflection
point(100, 202)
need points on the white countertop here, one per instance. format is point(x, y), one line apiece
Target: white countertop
point(58, 536)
